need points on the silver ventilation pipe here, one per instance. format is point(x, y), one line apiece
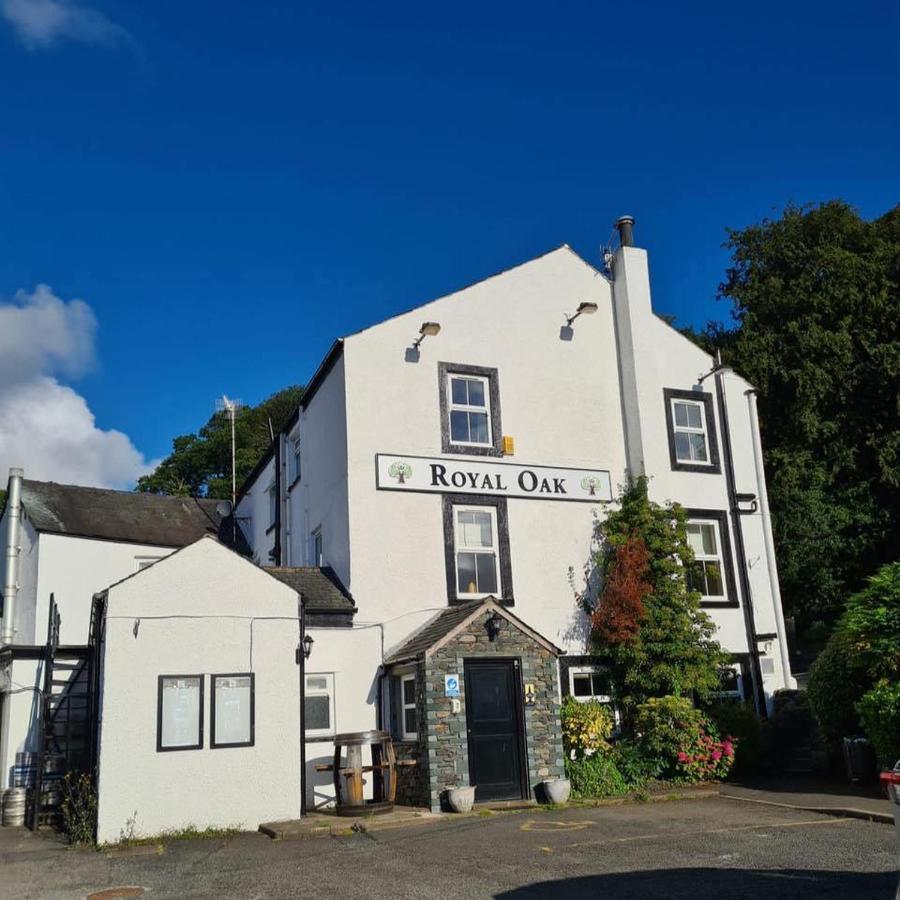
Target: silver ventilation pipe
point(11, 579)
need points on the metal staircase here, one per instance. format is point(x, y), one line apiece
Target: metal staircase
point(66, 738)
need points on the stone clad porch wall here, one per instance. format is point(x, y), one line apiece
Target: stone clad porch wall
point(412, 781)
point(447, 744)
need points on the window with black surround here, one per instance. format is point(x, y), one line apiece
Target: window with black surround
point(232, 710)
point(179, 712)
point(691, 427)
point(476, 546)
point(711, 573)
point(470, 410)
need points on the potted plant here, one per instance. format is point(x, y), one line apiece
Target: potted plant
point(557, 790)
point(461, 799)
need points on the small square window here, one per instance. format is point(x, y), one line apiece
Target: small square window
point(731, 683)
point(318, 709)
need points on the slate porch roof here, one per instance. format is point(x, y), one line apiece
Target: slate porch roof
point(320, 588)
point(127, 516)
point(437, 631)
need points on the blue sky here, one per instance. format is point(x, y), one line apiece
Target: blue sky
point(229, 186)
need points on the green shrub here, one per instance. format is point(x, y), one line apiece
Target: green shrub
point(871, 623)
point(685, 744)
point(79, 809)
point(741, 722)
point(585, 727)
point(836, 682)
point(879, 713)
point(595, 776)
point(636, 767)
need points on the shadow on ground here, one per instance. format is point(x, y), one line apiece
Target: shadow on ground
point(721, 884)
point(813, 784)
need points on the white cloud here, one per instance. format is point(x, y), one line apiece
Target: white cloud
point(42, 23)
point(46, 427)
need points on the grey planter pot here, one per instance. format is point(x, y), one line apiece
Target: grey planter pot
point(557, 790)
point(461, 799)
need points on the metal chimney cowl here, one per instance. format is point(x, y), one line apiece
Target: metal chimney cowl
point(625, 227)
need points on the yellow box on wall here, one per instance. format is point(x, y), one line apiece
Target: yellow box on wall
point(509, 445)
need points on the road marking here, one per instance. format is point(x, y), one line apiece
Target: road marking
point(544, 825)
point(682, 834)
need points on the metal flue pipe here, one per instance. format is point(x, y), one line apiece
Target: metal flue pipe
point(11, 579)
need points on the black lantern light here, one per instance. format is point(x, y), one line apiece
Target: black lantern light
point(495, 620)
point(307, 646)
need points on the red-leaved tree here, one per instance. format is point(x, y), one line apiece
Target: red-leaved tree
point(618, 615)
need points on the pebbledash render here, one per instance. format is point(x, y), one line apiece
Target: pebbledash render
point(455, 458)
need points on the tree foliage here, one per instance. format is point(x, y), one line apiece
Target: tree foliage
point(815, 300)
point(619, 613)
point(672, 652)
point(200, 464)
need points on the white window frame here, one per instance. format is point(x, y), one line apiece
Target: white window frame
point(404, 706)
point(719, 558)
point(494, 548)
point(740, 693)
point(587, 670)
point(296, 462)
point(328, 691)
point(688, 429)
point(465, 407)
point(272, 500)
point(317, 547)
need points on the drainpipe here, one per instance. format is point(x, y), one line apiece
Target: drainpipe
point(769, 541)
point(301, 659)
point(11, 581)
point(759, 697)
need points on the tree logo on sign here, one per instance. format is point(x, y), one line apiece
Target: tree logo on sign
point(401, 471)
point(591, 483)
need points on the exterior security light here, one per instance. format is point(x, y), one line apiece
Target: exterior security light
point(719, 368)
point(583, 308)
point(307, 646)
point(428, 329)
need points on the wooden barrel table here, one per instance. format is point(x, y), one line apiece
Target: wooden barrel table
point(349, 783)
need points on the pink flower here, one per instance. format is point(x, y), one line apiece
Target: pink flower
point(728, 748)
point(682, 756)
point(717, 755)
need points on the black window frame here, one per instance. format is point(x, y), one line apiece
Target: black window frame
point(214, 745)
point(448, 501)
point(732, 601)
point(159, 696)
point(445, 369)
point(714, 466)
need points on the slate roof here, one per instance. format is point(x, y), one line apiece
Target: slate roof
point(320, 588)
point(446, 621)
point(126, 516)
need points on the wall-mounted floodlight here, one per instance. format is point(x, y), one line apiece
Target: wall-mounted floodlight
point(428, 329)
point(719, 368)
point(583, 308)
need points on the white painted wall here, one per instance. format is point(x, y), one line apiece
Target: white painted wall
point(254, 515)
point(353, 657)
point(220, 607)
point(74, 569)
point(559, 400)
point(21, 711)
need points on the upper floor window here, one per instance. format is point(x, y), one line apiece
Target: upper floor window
point(317, 554)
point(691, 429)
point(470, 410)
point(477, 552)
point(272, 499)
point(295, 466)
point(710, 574)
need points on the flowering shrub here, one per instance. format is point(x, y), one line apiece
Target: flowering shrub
point(706, 757)
point(682, 740)
point(585, 727)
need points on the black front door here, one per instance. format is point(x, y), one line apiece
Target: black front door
point(494, 723)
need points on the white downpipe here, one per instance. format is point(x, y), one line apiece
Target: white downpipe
point(769, 541)
point(11, 581)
